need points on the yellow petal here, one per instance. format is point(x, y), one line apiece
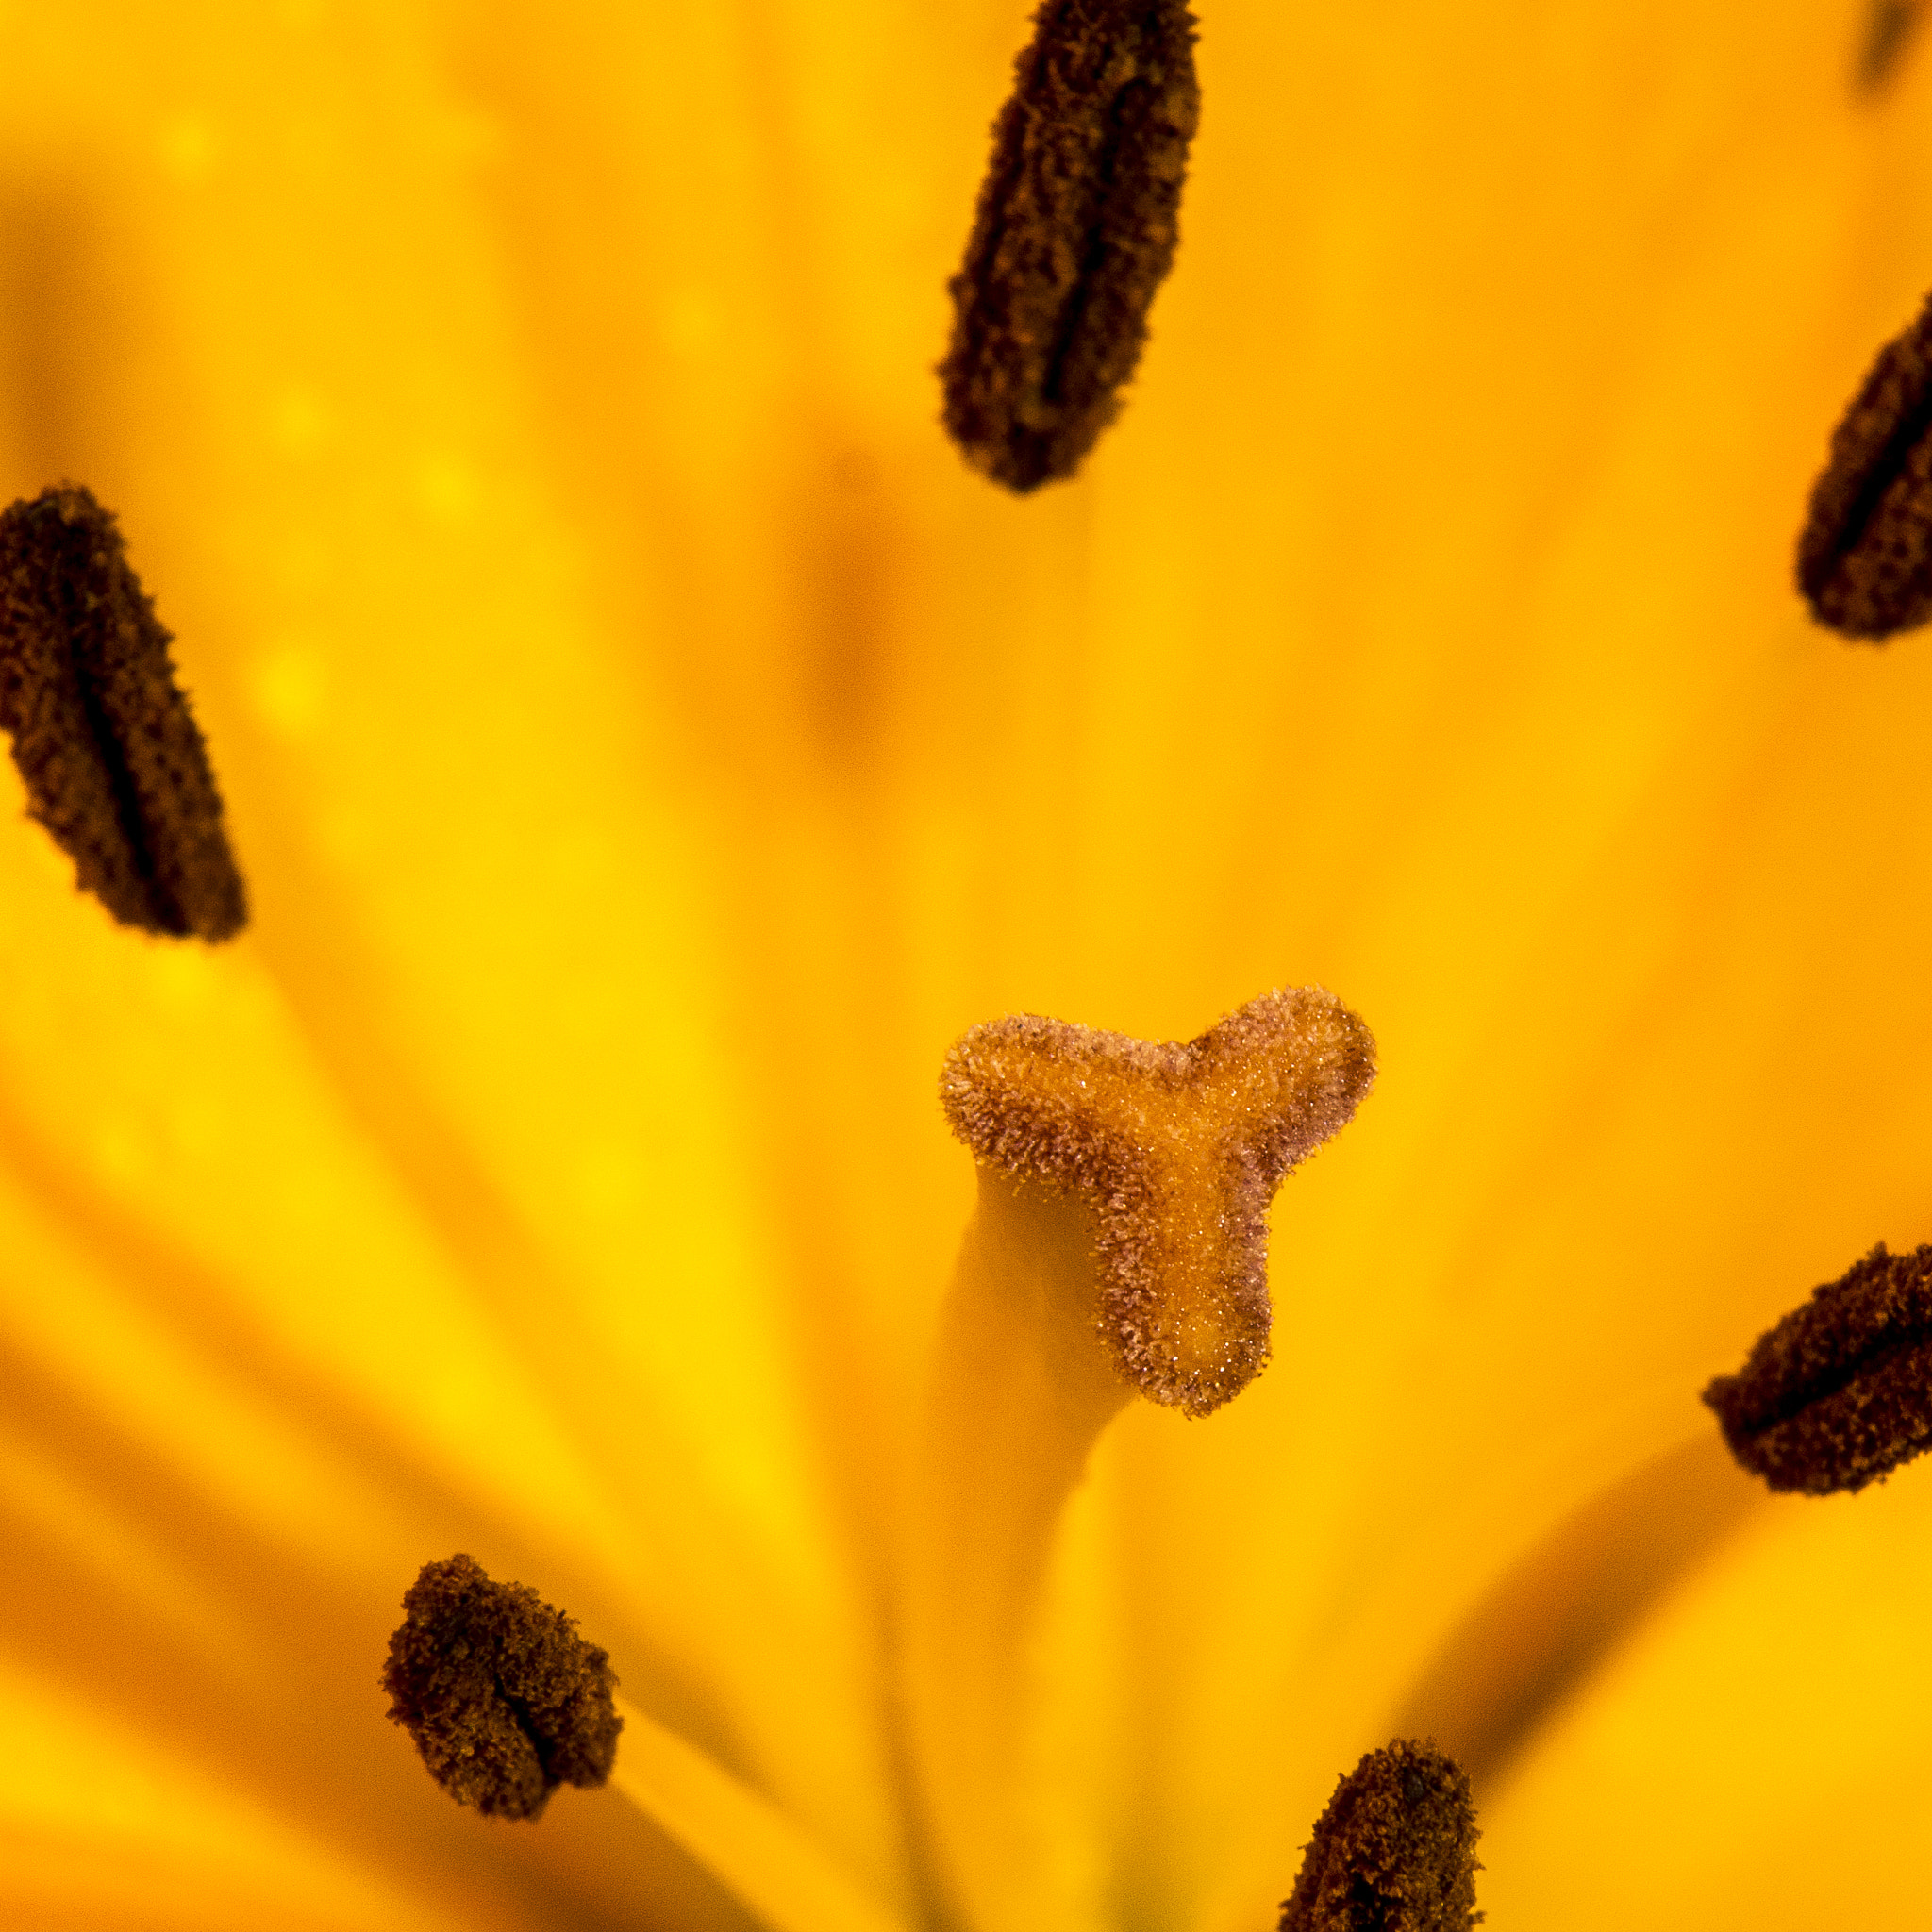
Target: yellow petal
point(1758, 1741)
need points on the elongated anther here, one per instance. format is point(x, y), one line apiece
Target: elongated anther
point(505, 1700)
point(1176, 1151)
point(1890, 27)
point(1394, 1851)
point(1075, 230)
point(1865, 555)
point(1840, 1392)
point(103, 738)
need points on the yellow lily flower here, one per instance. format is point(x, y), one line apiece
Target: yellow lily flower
point(649, 746)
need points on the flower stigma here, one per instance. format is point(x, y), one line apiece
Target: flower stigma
point(1176, 1151)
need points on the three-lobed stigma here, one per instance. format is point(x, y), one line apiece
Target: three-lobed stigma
point(505, 1700)
point(1075, 230)
point(1840, 1392)
point(1175, 1150)
point(103, 738)
point(1393, 1852)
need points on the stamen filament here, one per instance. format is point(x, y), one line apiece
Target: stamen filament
point(1022, 1391)
point(759, 1855)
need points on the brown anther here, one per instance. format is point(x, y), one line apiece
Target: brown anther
point(1890, 26)
point(1077, 224)
point(1394, 1851)
point(103, 738)
point(1175, 1151)
point(505, 1700)
point(1839, 1391)
point(1865, 555)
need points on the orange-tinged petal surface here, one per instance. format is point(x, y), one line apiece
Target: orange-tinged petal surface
point(648, 748)
point(1778, 1699)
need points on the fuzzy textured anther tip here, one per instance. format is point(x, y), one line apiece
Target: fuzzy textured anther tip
point(1840, 1392)
point(104, 744)
point(1865, 553)
point(1076, 228)
point(1394, 1851)
point(505, 1700)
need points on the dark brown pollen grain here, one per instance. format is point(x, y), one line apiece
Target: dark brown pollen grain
point(505, 1700)
point(104, 744)
point(1865, 555)
point(1076, 228)
point(1394, 1851)
point(1839, 1391)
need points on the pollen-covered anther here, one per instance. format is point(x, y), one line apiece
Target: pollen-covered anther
point(1175, 1151)
point(1890, 27)
point(1394, 1851)
point(104, 744)
point(1865, 555)
point(1839, 1391)
point(1076, 228)
point(505, 1700)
